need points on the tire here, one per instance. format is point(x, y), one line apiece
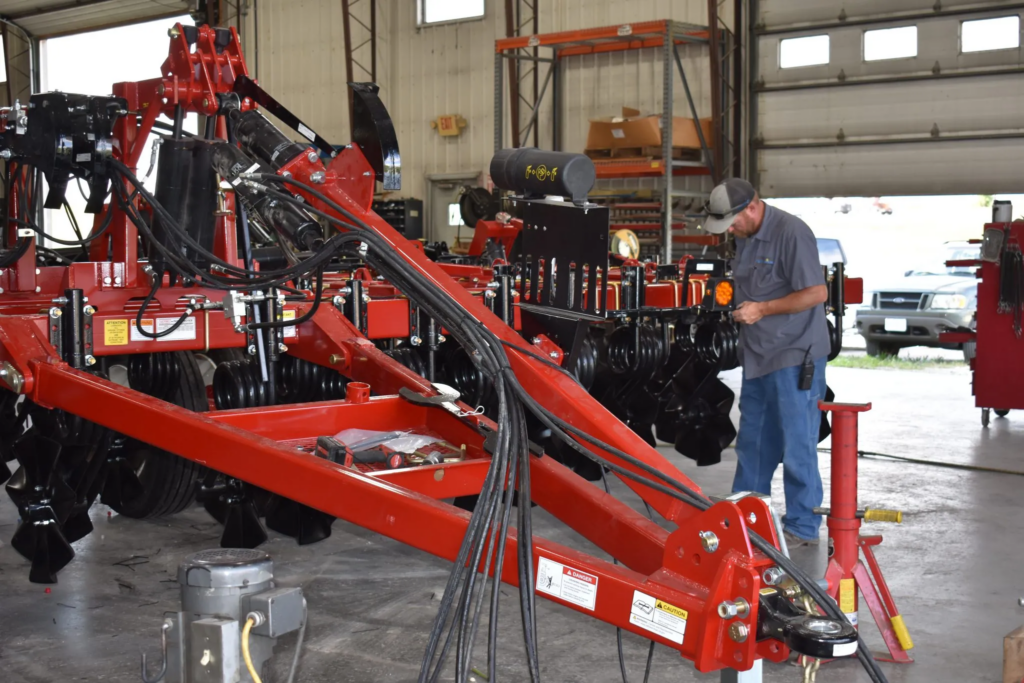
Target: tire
point(1002, 413)
point(970, 351)
point(168, 482)
point(882, 349)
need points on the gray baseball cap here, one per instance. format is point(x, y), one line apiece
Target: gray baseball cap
point(727, 200)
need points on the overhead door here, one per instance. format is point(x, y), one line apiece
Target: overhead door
point(886, 97)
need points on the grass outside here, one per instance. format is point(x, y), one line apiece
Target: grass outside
point(893, 363)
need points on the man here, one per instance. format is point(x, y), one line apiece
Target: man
point(780, 289)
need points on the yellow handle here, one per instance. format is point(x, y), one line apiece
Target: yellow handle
point(902, 634)
point(883, 516)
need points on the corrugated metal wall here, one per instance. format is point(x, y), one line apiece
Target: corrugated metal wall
point(449, 69)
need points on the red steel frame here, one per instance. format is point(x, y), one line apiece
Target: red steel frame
point(405, 504)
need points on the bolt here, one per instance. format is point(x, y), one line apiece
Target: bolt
point(440, 339)
point(89, 310)
point(709, 540)
point(752, 518)
point(252, 349)
point(415, 341)
point(90, 360)
point(734, 608)
point(286, 174)
point(206, 103)
point(338, 302)
point(489, 294)
point(55, 312)
point(117, 280)
point(38, 271)
point(366, 298)
point(282, 348)
point(173, 32)
point(106, 280)
point(5, 153)
point(738, 632)
point(553, 354)
point(317, 177)
point(335, 359)
point(311, 156)
point(535, 340)
point(772, 575)
point(38, 289)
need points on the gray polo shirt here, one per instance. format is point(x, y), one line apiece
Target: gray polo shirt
point(781, 258)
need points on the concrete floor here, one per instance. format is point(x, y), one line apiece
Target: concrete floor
point(950, 567)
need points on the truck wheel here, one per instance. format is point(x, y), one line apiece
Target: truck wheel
point(144, 481)
point(877, 348)
point(1002, 413)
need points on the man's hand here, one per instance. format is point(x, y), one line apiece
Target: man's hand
point(748, 312)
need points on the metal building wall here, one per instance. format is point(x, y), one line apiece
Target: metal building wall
point(449, 69)
point(428, 71)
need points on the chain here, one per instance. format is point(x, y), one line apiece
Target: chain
point(811, 669)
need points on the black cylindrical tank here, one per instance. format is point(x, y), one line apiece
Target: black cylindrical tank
point(536, 172)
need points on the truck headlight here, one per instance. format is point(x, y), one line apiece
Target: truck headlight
point(949, 302)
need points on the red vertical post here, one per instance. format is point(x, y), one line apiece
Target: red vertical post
point(843, 524)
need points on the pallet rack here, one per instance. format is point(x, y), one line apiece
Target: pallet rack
point(663, 35)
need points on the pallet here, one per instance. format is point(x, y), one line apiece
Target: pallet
point(678, 153)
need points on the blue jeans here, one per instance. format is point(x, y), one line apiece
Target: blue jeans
point(779, 424)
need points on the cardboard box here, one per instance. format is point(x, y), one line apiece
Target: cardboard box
point(633, 130)
point(1013, 656)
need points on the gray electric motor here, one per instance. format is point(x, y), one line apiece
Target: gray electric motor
point(220, 590)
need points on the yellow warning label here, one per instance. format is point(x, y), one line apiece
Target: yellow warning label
point(115, 332)
point(672, 609)
point(288, 315)
point(768, 591)
point(847, 595)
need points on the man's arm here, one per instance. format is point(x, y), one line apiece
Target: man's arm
point(749, 312)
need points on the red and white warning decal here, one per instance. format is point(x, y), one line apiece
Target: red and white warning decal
point(186, 330)
point(657, 616)
point(566, 583)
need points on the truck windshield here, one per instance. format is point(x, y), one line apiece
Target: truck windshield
point(936, 265)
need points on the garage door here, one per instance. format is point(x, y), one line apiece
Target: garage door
point(887, 97)
point(47, 18)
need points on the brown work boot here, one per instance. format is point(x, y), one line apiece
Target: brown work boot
point(794, 541)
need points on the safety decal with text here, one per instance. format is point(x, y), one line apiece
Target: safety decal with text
point(848, 599)
point(115, 332)
point(657, 616)
point(289, 331)
point(187, 329)
point(566, 583)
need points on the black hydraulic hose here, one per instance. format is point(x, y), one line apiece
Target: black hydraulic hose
point(142, 310)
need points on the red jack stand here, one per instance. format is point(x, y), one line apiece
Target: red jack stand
point(846, 573)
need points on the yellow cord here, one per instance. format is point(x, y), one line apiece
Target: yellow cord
point(249, 623)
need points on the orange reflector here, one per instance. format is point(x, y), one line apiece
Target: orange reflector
point(723, 293)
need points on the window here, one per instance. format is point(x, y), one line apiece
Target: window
point(890, 43)
point(438, 11)
point(807, 51)
point(1001, 33)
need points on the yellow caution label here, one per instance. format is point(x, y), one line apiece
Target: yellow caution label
point(288, 315)
point(847, 595)
point(115, 332)
point(672, 609)
point(768, 591)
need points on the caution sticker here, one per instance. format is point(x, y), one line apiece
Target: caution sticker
point(115, 332)
point(289, 331)
point(566, 583)
point(187, 329)
point(848, 599)
point(657, 616)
